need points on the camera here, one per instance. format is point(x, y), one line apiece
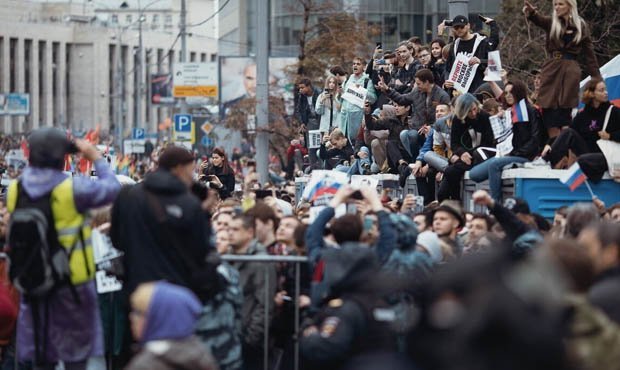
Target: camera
point(448, 22)
point(381, 62)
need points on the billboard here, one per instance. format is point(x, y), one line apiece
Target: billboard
point(238, 81)
point(195, 79)
point(15, 104)
point(161, 88)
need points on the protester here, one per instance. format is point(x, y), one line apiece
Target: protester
point(64, 324)
point(568, 36)
point(328, 105)
point(525, 139)
point(219, 174)
point(471, 131)
point(350, 114)
point(598, 120)
point(167, 344)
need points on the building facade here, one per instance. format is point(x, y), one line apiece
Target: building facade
point(81, 63)
point(398, 20)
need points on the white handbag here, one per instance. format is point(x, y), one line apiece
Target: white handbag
point(611, 150)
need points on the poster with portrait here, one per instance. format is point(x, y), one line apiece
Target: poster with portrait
point(161, 89)
point(238, 81)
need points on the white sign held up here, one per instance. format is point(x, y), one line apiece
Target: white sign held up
point(462, 74)
point(314, 139)
point(355, 94)
point(494, 67)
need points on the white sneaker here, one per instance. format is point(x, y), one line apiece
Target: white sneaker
point(537, 163)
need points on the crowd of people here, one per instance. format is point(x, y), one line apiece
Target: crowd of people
point(384, 282)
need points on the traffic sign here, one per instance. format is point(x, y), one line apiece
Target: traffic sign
point(195, 79)
point(207, 128)
point(138, 133)
point(206, 141)
point(183, 129)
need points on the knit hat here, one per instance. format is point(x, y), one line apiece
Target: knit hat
point(453, 207)
point(430, 241)
point(389, 111)
point(174, 156)
point(48, 147)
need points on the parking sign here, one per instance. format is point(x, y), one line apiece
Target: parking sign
point(183, 128)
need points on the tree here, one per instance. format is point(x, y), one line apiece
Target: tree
point(523, 44)
point(330, 36)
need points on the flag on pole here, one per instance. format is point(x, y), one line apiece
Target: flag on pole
point(573, 177)
point(519, 112)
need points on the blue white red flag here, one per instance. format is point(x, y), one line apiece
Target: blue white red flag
point(573, 177)
point(519, 112)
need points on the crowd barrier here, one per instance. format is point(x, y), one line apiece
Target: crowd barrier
point(268, 299)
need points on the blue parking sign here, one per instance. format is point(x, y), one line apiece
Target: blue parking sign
point(138, 133)
point(183, 122)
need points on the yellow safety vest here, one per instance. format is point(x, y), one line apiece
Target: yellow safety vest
point(68, 222)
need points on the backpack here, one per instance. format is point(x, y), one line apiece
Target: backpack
point(39, 263)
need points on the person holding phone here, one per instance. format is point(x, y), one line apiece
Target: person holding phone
point(219, 174)
point(328, 105)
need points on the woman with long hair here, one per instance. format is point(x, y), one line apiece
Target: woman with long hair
point(525, 142)
point(567, 37)
point(328, 105)
point(219, 173)
point(586, 130)
point(438, 64)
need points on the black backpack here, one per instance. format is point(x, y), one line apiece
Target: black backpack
point(39, 263)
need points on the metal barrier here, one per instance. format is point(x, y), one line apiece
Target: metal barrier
point(275, 259)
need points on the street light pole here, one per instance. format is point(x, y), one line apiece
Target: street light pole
point(140, 72)
point(183, 31)
point(119, 90)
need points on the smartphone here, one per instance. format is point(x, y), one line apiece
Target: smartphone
point(482, 18)
point(357, 195)
point(448, 22)
point(380, 45)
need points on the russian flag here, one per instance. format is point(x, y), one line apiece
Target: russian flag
point(573, 177)
point(519, 112)
point(611, 74)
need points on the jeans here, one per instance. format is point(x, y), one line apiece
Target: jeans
point(491, 169)
point(356, 168)
point(412, 141)
point(436, 161)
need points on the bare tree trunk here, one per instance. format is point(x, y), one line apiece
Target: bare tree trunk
point(307, 5)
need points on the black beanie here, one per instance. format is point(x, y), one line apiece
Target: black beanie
point(174, 156)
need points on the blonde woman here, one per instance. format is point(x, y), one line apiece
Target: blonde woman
point(568, 36)
point(328, 105)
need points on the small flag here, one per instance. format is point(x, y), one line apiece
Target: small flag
point(519, 112)
point(573, 177)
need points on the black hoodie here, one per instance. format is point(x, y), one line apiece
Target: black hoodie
point(171, 251)
point(590, 121)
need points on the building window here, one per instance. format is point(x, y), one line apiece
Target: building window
point(27, 65)
point(214, 57)
point(168, 19)
point(114, 18)
point(203, 57)
point(155, 18)
point(128, 18)
point(192, 56)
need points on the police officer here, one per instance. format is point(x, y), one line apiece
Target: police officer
point(354, 320)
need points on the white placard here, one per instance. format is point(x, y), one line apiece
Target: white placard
point(355, 94)
point(501, 124)
point(504, 147)
point(494, 67)
point(134, 146)
point(462, 74)
point(314, 139)
point(107, 283)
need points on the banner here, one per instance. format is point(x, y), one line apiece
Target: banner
point(356, 95)
point(161, 89)
point(462, 74)
point(15, 104)
point(322, 186)
point(494, 67)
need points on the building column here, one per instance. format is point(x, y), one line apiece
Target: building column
point(48, 94)
point(129, 89)
point(6, 77)
point(61, 93)
point(34, 85)
point(20, 82)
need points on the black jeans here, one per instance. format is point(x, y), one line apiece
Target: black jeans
point(395, 152)
point(426, 185)
point(569, 139)
point(593, 165)
point(450, 187)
